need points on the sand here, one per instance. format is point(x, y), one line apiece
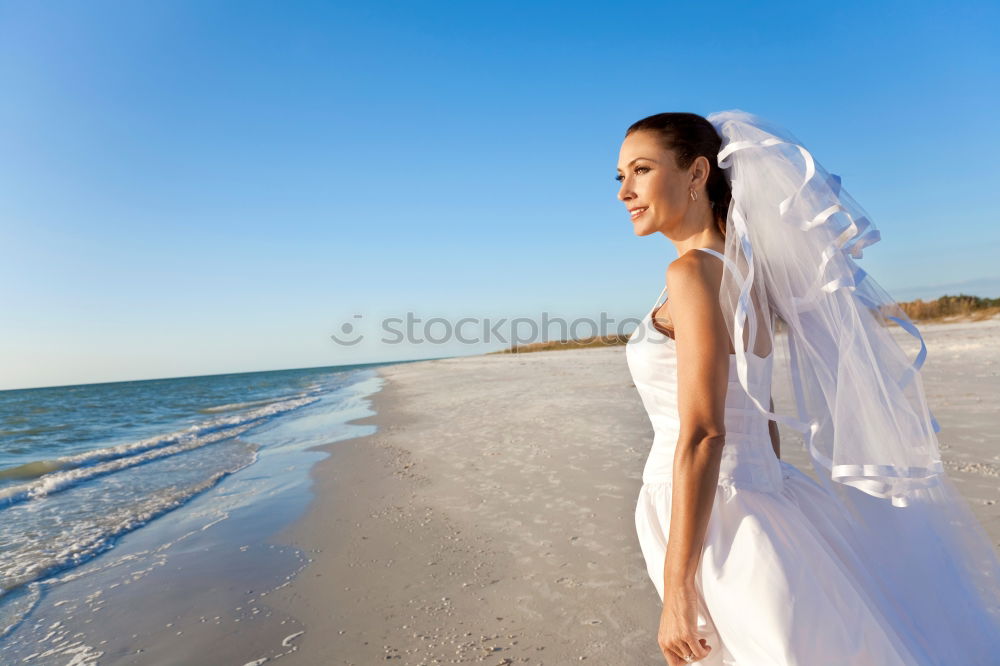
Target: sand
point(490, 518)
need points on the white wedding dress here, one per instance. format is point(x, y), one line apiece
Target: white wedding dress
point(783, 579)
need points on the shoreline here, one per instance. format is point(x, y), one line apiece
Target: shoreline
point(190, 584)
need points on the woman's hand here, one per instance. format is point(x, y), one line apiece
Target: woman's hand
point(677, 635)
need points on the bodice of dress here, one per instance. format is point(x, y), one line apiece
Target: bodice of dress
point(748, 460)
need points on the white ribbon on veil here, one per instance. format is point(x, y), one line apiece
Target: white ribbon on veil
point(795, 232)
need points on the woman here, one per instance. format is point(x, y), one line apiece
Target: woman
point(756, 564)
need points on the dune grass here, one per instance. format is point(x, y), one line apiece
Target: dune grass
point(952, 308)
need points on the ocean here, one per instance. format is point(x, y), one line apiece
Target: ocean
point(88, 469)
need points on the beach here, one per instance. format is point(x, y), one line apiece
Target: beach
point(468, 510)
point(489, 518)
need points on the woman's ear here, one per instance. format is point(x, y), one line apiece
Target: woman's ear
point(700, 169)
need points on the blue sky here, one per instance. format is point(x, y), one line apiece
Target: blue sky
point(193, 188)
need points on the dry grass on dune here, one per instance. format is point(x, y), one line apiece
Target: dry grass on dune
point(952, 308)
point(552, 345)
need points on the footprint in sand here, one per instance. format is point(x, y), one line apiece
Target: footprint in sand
point(568, 581)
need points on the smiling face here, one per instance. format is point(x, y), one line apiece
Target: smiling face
point(655, 191)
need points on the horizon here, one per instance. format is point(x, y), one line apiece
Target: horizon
point(359, 364)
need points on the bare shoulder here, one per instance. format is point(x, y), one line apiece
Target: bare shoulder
point(694, 276)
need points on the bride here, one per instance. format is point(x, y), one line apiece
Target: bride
point(881, 563)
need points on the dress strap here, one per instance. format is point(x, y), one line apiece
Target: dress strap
point(711, 251)
point(657, 301)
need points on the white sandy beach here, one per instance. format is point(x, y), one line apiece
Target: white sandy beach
point(490, 518)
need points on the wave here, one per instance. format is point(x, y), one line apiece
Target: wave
point(75, 547)
point(236, 405)
point(51, 476)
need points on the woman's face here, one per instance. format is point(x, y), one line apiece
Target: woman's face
point(654, 190)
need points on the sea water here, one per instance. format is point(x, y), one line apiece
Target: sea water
point(83, 469)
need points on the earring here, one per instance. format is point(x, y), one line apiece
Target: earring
point(694, 197)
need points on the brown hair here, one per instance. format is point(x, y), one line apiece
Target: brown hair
point(689, 135)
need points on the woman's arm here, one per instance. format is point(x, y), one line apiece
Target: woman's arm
point(702, 344)
point(772, 427)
